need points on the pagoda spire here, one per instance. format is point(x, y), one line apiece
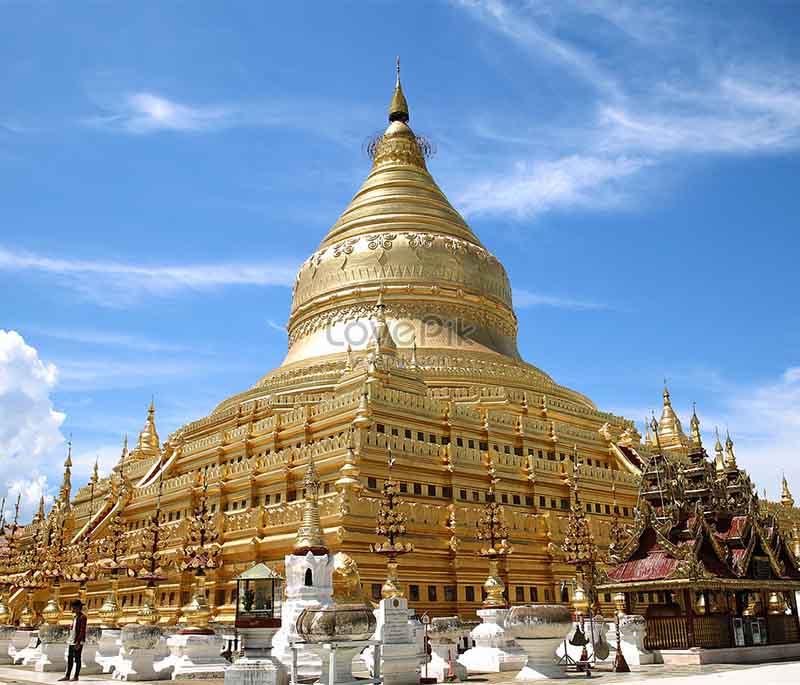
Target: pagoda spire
point(309, 535)
point(148, 444)
point(730, 457)
point(66, 483)
point(40, 513)
point(670, 430)
point(696, 439)
point(719, 460)
point(786, 496)
point(398, 107)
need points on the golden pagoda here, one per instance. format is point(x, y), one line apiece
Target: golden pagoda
point(402, 339)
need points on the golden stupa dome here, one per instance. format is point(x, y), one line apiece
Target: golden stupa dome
point(401, 238)
point(148, 444)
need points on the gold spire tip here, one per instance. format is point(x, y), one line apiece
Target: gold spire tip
point(398, 107)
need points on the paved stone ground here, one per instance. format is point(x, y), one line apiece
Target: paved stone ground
point(760, 674)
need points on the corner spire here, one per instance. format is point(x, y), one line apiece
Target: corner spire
point(148, 445)
point(398, 107)
point(309, 534)
point(786, 496)
point(66, 483)
point(696, 438)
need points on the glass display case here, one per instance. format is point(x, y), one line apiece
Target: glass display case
point(259, 596)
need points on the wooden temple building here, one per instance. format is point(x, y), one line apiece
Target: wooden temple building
point(705, 562)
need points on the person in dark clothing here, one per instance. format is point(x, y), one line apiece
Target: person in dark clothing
point(77, 636)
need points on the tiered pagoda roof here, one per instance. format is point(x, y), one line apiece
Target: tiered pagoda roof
point(699, 521)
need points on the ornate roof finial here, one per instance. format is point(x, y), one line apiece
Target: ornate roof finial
point(66, 483)
point(719, 460)
point(95, 474)
point(398, 108)
point(730, 457)
point(40, 513)
point(697, 440)
point(148, 445)
point(309, 534)
point(786, 496)
point(667, 401)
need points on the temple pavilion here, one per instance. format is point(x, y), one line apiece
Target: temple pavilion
point(705, 562)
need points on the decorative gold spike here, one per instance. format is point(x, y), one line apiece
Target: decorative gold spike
point(309, 535)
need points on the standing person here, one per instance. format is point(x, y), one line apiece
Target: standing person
point(77, 636)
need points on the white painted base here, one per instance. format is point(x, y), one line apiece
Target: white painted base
point(142, 664)
point(262, 671)
point(442, 654)
point(53, 658)
point(196, 656)
point(634, 629)
point(400, 664)
point(542, 661)
point(493, 651)
point(256, 666)
point(19, 641)
point(343, 666)
point(730, 655)
point(89, 665)
point(108, 648)
point(28, 654)
point(5, 645)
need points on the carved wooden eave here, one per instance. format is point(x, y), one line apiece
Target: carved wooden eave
point(777, 567)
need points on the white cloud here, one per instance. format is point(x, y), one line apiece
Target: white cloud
point(106, 339)
point(276, 326)
point(525, 298)
point(117, 284)
point(502, 18)
point(532, 189)
point(147, 112)
point(30, 427)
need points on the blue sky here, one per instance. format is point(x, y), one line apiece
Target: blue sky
point(164, 167)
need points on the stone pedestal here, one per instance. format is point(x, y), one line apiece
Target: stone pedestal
point(53, 649)
point(256, 665)
point(107, 652)
point(309, 584)
point(494, 651)
point(595, 631)
point(143, 654)
point(196, 656)
point(444, 634)
point(336, 659)
point(6, 640)
point(399, 652)
point(633, 629)
point(23, 649)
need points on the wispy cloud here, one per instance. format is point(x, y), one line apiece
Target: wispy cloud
point(526, 32)
point(526, 298)
point(148, 112)
point(145, 112)
point(114, 283)
point(106, 339)
point(530, 189)
point(671, 105)
point(276, 326)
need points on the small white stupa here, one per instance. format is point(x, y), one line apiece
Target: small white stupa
point(309, 581)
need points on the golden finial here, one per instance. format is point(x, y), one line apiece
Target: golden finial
point(95, 472)
point(40, 513)
point(697, 440)
point(398, 108)
point(786, 496)
point(309, 535)
point(730, 457)
point(667, 401)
